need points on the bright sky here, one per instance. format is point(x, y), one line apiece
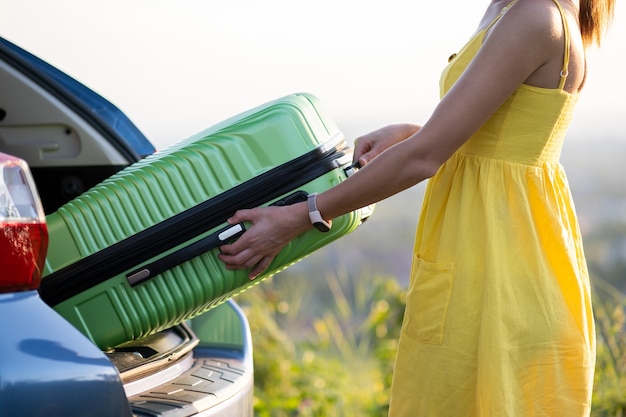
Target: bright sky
point(177, 67)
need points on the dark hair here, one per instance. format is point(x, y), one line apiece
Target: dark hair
point(595, 17)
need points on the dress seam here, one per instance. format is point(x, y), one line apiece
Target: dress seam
point(539, 164)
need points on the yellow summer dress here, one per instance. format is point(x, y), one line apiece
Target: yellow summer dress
point(498, 319)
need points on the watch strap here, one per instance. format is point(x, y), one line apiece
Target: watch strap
point(315, 216)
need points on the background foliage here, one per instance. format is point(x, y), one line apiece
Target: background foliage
point(319, 355)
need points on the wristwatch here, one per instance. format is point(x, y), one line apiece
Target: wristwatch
point(315, 216)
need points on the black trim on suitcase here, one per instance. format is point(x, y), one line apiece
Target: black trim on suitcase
point(161, 237)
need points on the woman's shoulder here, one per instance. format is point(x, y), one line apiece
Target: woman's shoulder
point(536, 15)
point(538, 22)
point(534, 30)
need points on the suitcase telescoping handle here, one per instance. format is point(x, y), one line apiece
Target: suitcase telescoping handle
point(352, 168)
point(185, 254)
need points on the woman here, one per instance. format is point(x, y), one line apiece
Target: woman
point(498, 319)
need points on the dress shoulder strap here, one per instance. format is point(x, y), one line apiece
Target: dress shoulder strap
point(566, 54)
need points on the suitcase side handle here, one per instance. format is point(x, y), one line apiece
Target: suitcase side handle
point(214, 240)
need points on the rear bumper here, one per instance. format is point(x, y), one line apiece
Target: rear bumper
point(218, 375)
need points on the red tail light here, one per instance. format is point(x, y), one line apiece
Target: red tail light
point(23, 231)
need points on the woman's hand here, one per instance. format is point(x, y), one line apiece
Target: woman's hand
point(271, 228)
point(369, 146)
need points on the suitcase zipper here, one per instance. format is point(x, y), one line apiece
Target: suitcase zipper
point(164, 236)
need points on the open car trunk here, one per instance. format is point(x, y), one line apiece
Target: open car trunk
point(72, 138)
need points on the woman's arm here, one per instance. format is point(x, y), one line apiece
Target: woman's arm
point(503, 63)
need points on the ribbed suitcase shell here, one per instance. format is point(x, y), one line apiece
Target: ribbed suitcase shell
point(164, 185)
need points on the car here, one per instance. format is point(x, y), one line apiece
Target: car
point(58, 138)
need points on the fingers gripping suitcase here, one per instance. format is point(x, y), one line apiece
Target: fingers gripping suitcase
point(137, 253)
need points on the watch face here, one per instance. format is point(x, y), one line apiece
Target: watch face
point(321, 227)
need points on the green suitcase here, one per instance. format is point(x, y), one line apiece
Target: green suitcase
point(137, 253)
